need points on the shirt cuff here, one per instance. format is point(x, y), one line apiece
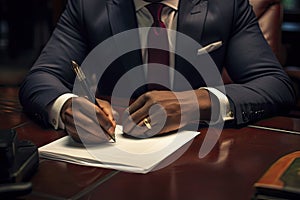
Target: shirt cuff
point(226, 113)
point(54, 110)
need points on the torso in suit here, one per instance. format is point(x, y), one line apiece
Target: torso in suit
point(256, 73)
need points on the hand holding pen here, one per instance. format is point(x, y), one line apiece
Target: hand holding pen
point(85, 109)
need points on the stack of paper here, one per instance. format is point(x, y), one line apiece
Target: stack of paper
point(127, 154)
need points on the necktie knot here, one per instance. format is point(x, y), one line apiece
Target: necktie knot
point(156, 9)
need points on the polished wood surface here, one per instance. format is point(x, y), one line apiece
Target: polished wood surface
point(10, 110)
point(229, 171)
point(281, 123)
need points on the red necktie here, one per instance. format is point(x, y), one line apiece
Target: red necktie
point(158, 37)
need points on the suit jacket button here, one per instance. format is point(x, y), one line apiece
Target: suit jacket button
point(230, 114)
point(245, 116)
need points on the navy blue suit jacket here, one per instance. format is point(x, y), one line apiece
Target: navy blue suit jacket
point(260, 88)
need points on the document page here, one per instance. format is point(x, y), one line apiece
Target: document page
point(126, 154)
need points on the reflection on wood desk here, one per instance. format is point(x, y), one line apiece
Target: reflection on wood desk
point(239, 158)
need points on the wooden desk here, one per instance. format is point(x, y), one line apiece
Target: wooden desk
point(229, 171)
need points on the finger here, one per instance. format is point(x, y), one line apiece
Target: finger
point(115, 115)
point(104, 121)
point(96, 114)
point(71, 130)
point(130, 120)
point(84, 136)
point(141, 130)
point(106, 107)
point(81, 119)
point(85, 129)
point(137, 111)
point(136, 130)
point(138, 103)
point(127, 122)
point(141, 113)
point(156, 119)
point(92, 135)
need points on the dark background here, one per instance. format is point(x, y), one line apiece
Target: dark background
point(25, 27)
point(291, 31)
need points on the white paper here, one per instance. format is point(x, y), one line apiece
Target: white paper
point(127, 154)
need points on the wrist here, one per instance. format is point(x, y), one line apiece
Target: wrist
point(67, 105)
point(206, 101)
point(54, 110)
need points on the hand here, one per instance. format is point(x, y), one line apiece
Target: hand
point(91, 123)
point(166, 110)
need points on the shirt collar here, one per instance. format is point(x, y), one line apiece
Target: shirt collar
point(139, 4)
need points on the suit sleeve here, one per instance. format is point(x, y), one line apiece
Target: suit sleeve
point(51, 74)
point(261, 87)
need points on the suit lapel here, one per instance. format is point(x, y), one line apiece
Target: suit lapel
point(191, 19)
point(121, 15)
point(122, 18)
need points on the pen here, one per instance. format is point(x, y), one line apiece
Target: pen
point(82, 79)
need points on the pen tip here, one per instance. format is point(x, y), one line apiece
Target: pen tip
point(113, 138)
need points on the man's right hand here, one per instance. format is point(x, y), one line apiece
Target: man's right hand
point(92, 123)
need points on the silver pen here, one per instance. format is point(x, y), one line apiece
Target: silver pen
point(82, 78)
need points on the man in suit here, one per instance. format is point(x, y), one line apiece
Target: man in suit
point(260, 88)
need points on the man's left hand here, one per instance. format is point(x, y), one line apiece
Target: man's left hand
point(165, 111)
